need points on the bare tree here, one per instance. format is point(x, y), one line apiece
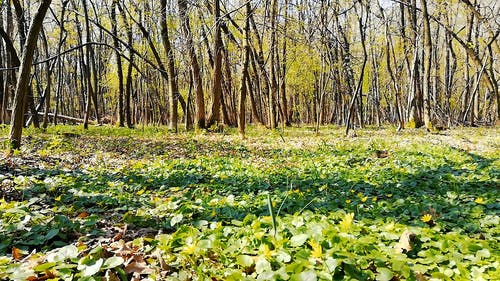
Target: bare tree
point(22, 86)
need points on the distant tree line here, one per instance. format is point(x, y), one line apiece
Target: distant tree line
point(202, 64)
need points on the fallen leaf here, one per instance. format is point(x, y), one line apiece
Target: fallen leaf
point(46, 276)
point(138, 267)
point(82, 215)
point(117, 237)
point(17, 254)
point(404, 244)
point(420, 277)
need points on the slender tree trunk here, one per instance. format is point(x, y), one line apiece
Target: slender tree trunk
point(89, 71)
point(217, 70)
point(416, 98)
point(22, 86)
point(195, 68)
point(284, 102)
point(172, 81)
point(273, 50)
point(62, 39)
point(427, 67)
point(119, 70)
point(128, 79)
point(244, 74)
point(359, 88)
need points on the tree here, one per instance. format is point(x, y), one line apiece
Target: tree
point(195, 68)
point(427, 67)
point(244, 74)
point(22, 86)
point(217, 68)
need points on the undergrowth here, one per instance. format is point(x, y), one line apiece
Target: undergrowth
point(118, 204)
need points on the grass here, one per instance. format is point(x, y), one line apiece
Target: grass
point(292, 205)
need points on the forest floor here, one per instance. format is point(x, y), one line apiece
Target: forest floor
point(143, 204)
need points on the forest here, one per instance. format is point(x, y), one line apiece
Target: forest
point(228, 63)
point(249, 140)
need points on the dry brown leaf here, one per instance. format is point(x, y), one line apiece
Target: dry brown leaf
point(16, 254)
point(111, 276)
point(117, 237)
point(381, 154)
point(48, 275)
point(420, 277)
point(82, 215)
point(404, 244)
point(138, 267)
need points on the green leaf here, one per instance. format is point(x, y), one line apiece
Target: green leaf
point(244, 260)
point(331, 264)
point(113, 262)
point(176, 219)
point(298, 240)
point(484, 253)
point(91, 268)
point(283, 257)
point(308, 276)
point(44, 266)
point(384, 274)
point(262, 265)
point(52, 233)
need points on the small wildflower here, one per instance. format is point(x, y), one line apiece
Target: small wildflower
point(426, 218)
point(364, 199)
point(348, 201)
point(374, 199)
point(479, 200)
point(317, 250)
point(268, 253)
point(347, 221)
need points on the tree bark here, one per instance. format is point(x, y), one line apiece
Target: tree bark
point(244, 74)
point(427, 67)
point(22, 86)
point(172, 81)
point(119, 70)
point(195, 67)
point(217, 70)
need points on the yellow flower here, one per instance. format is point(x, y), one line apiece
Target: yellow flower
point(348, 201)
point(374, 199)
point(426, 218)
point(317, 250)
point(479, 200)
point(347, 221)
point(268, 253)
point(364, 199)
point(190, 247)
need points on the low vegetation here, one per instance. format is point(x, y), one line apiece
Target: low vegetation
point(121, 204)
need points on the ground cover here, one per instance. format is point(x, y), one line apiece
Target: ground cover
point(120, 204)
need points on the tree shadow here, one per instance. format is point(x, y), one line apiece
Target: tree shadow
point(91, 204)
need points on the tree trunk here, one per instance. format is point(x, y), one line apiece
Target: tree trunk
point(217, 70)
point(273, 50)
point(427, 67)
point(172, 81)
point(195, 68)
point(119, 70)
point(244, 74)
point(22, 86)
